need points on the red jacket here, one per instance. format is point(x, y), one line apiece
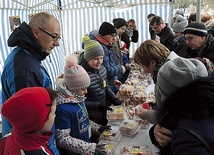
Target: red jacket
point(31, 144)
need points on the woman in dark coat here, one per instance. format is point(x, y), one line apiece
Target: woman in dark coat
point(189, 102)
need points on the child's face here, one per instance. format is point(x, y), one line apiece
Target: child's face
point(50, 120)
point(80, 92)
point(96, 62)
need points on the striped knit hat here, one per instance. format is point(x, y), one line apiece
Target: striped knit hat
point(196, 28)
point(75, 77)
point(92, 48)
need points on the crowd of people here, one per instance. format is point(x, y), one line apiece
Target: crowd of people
point(36, 119)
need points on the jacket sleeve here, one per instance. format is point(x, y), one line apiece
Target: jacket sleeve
point(110, 94)
point(67, 142)
point(109, 62)
point(91, 105)
point(186, 144)
point(135, 36)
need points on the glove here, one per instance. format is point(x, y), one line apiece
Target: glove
point(100, 150)
point(117, 102)
point(103, 128)
point(102, 107)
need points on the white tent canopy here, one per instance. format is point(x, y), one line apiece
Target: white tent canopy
point(77, 18)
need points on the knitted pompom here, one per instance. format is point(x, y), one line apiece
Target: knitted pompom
point(85, 39)
point(71, 60)
point(180, 18)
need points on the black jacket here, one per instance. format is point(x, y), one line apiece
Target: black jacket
point(166, 37)
point(98, 92)
point(192, 105)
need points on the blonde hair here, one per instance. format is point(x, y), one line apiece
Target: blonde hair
point(150, 50)
point(130, 21)
point(205, 16)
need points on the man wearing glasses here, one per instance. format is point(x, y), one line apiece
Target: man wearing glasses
point(198, 44)
point(33, 42)
point(163, 31)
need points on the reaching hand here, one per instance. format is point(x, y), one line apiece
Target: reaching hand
point(117, 83)
point(162, 135)
point(117, 102)
point(103, 128)
point(100, 150)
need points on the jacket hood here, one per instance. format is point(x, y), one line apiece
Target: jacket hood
point(194, 101)
point(23, 38)
point(86, 66)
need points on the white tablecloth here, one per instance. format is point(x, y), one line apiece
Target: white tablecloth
point(141, 138)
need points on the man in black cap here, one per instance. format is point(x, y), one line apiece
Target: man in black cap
point(198, 44)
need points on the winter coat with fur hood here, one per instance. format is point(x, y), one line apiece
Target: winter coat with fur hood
point(192, 105)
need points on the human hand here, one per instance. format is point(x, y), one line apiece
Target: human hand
point(117, 83)
point(200, 59)
point(157, 39)
point(103, 128)
point(126, 51)
point(162, 135)
point(123, 69)
point(140, 111)
point(117, 102)
point(100, 150)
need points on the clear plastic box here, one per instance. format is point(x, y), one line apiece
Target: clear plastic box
point(116, 116)
point(110, 135)
point(129, 128)
point(135, 150)
point(106, 146)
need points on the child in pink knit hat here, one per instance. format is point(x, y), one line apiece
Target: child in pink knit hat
point(72, 121)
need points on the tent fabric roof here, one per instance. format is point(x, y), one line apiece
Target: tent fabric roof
point(74, 4)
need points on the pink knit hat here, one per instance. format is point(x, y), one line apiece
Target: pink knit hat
point(75, 76)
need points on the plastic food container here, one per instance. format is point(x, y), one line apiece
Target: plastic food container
point(135, 150)
point(129, 128)
point(110, 135)
point(116, 116)
point(106, 146)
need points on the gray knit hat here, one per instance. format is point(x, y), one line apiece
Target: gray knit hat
point(180, 24)
point(179, 12)
point(177, 73)
point(196, 28)
point(92, 48)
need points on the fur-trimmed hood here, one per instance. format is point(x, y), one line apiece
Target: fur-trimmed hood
point(194, 101)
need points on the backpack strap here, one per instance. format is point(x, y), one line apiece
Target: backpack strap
point(198, 135)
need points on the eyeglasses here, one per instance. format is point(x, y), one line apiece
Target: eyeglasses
point(155, 27)
point(190, 38)
point(55, 38)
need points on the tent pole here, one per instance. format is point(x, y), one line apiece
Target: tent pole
point(198, 12)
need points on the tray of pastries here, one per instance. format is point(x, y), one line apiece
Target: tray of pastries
point(116, 115)
point(135, 150)
point(106, 147)
point(129, 128)
point(110, 135)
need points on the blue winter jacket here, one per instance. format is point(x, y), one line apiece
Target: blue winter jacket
point(109, 61)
